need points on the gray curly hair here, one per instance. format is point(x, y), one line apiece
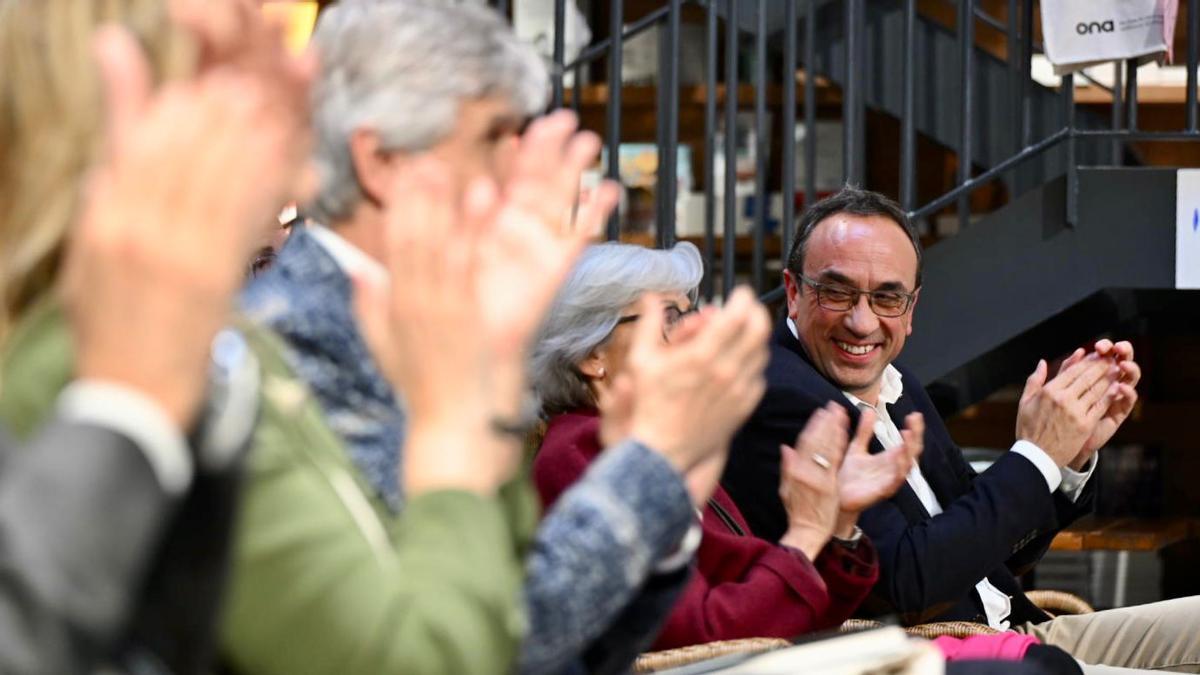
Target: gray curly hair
point(607, 278)
point(401, 68)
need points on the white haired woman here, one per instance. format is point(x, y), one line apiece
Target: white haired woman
point(746, 587)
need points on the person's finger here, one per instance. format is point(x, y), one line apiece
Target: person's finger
point(1123, 350)
point(863, 434)
point(814, 429)
point(749, 341)
point(581, 152)
point(727, 326)
point(1099, 384)
point(914, 435)
point(419, 188)
point(789, 459)
point(691, 325)
point(594, 213)
point(1035, 382)
point(1075, 357)
point(540, 156)
point(1081, 377)
point(1131, 372)
point(648, 329)
point(126, 81)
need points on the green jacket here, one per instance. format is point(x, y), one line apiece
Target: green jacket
point(324, 579)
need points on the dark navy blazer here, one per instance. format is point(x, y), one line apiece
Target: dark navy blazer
point(996, 524)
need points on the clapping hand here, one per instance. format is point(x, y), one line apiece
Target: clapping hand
point(470, 280)
point(540, 228)
point(1121, 403)
point(808, 479)
point(866, 479)
point(690, 395)
point(1060, 416)
point(187, 178)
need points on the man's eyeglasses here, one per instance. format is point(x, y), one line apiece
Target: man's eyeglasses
point(839, 298)
point(672, 315)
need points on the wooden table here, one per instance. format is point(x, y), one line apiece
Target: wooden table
point(1122, 534)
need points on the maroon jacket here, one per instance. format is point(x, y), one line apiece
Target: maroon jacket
point(746, 587)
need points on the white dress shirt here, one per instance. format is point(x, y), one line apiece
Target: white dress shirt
point(349, 258)
point(996, 604)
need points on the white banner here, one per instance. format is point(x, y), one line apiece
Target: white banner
point(1187, 229)
point(1080, 33)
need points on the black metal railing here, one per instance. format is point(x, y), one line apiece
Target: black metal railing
point(752, 17)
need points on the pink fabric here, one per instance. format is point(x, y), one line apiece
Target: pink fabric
point(1006, 646)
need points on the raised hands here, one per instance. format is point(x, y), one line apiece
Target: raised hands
point(420, 325)
point(689, 396)
point(867, 479)
point(188, 176)
point(828, 479)
point(537, 228)
point(1122, 401)
point(1073, 415)
point(471, 278)
point(808, 478)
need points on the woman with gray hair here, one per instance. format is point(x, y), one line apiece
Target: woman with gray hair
point(746, 587)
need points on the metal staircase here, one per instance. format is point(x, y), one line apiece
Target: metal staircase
point(1079, 250)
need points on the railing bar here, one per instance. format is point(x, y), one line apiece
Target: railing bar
point(668, 114)
point(788, 129)
point(1024, 176)
point(710, 134)
point(966, 37)
point(1026, 60)
point(852, 95)
point(908, 129)
point(989, 20)
point(613, 123)
point(560, 42)
point(731, 109)
point(1131, 93)
point(772, 296)
point(810, 104)
point(1118, 154)
point(577, 88)
point(600, 48)
point(762, 137)
point(1138, 135)
point(1013, 49)
point(1028, 153)
point(1068, 84)
point(1193, 55)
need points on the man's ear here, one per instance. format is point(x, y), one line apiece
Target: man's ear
point(374, 168)
point(792, 287)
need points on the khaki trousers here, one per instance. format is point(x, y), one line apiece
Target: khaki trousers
point(1163, 636)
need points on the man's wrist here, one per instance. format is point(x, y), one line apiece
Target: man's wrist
point(1082, 461)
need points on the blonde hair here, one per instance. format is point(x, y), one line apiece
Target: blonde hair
point(51, 120)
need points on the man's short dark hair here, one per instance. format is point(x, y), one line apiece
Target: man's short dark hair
point(856, 201)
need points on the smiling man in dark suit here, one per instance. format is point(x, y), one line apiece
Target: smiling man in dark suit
point(951, 542)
